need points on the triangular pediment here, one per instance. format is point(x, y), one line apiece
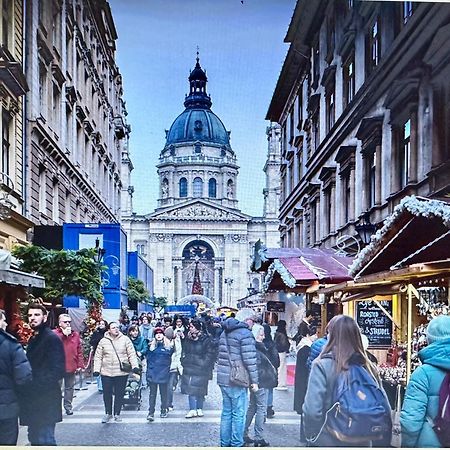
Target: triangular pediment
point(198, 210)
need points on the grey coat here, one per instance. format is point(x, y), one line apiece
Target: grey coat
point(241, 345)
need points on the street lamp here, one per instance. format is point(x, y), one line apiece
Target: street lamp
point(229, 282)
point(365, 229)
point(165, 281)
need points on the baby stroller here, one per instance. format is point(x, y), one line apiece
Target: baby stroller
point(133, 391)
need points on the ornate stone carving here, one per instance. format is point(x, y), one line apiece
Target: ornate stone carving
point(236, 238)
point(160, 237)
point(199, 212)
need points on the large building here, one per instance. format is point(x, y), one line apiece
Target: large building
point(363, 104)
point(197, 222)
point(76, 136)
point(13, 86)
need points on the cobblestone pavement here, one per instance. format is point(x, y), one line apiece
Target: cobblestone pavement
point(84, 427)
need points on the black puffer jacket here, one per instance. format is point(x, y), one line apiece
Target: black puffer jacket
point(241, 345)
point(197, 359)
point(15, 371)
point(40, 400)
point(268, 377)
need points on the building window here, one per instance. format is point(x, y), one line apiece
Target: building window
point(346, 191)
point(373, 46)
point(55, 201)
point(67, 207)
point(330, 38)
point(371, 179)
point(56, 28)
point(315, 124)
point(328, 210)
point(405, 153)
point(291, 174)
point(316, 63)
point(6, 141)
point(6, 23)
point(349, 79)
point(198, 187)
point(56, 106)
point(212, 188)
point(329, 109)
point(407, 11)
point(300, 162)
point(42, 190)
point(313, 223)
point(183, 187)
point(42, 88)
point(300, 107)
point(291, 127)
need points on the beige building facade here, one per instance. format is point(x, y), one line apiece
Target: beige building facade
point(76, 131)
point(13, 87)
point(362, 101)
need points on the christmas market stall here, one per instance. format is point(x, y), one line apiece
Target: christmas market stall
point(401, 281)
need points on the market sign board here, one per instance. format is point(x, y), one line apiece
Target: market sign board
point(374, 323)
point(274, 306)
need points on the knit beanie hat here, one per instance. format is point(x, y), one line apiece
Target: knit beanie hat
point(438, 329)
point(169, 333)
point(257, 329)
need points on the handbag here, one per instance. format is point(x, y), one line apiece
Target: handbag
point(396, 440)
point(124, 366)
point(239, 375)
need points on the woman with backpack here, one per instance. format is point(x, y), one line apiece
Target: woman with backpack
point(343, 380)
point(421, 403)
point(283, 345)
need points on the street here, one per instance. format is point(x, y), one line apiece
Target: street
point(84, 428)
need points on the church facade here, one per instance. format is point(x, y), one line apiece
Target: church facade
point(197, 229)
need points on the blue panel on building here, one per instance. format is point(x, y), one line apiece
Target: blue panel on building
point(181, 310)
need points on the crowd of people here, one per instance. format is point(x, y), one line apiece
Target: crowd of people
point(334, 375)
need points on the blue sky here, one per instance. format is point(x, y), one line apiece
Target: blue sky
point(242, 50)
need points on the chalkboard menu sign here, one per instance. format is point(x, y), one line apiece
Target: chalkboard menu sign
point(273, 306)
point(374, 323)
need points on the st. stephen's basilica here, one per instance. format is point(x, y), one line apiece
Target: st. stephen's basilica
point(197, 231)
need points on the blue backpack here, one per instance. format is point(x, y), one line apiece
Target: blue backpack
point(360, 410)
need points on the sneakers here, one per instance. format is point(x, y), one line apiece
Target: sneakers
point(200, 413)
point(107, 418)
point(151, 418)
point(170, 408)
point(248, 441)
point(69, 412)
point(261, 443)
point(270, 412)
point(117, 419)
point(191, 413)
point(163, 414)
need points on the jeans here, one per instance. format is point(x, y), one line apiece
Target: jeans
point(269, 397)
point(69, 385)
point(256, 408)
point(42, 434)
point(196, 402)
point(113, 386)
point(232, 421)
point(173, 377)
point(153, 387)
point(9, 431)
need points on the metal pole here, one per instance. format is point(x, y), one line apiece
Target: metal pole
point(409, 334)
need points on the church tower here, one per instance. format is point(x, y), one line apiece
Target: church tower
point(197, 161)
point(272, 167)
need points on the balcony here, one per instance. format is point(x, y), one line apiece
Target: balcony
point(11, 74)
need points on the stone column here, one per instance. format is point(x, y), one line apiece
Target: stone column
point(333, 207)
point(413, 147)
point(216, 284)
point(351, 209)
point(377, 157)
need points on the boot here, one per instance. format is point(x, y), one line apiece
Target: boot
point(262, 443)
point(270, 412)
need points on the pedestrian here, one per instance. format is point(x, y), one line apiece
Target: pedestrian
point(421, 402)
point(343, 351)
point(74, 358)
point(267, 376)
point(141, 347)
point(41, 400)
point(301, 375)
point(282, 343)
point(176, 368)
point(274, 358)
point(124, 324)
point(179, 328)
point(304, 327)
point(248, 316)
point(146, 329)
point(15, 372)
point(114, 358)
point(97, 335)
point(198, 358)
point(167, 322)
point(159, 357)
point(316, 348)
point(237, 345)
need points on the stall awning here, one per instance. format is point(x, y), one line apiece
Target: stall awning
point(19, 278)
point(311, 266)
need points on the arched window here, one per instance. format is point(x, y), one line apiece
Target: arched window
point(212, 188)
point(198, 187)
point(183, 187)
point(230, 189)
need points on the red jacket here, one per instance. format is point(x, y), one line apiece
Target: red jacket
point(72, 350)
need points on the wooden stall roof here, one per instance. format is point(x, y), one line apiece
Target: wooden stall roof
point(418, 231)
